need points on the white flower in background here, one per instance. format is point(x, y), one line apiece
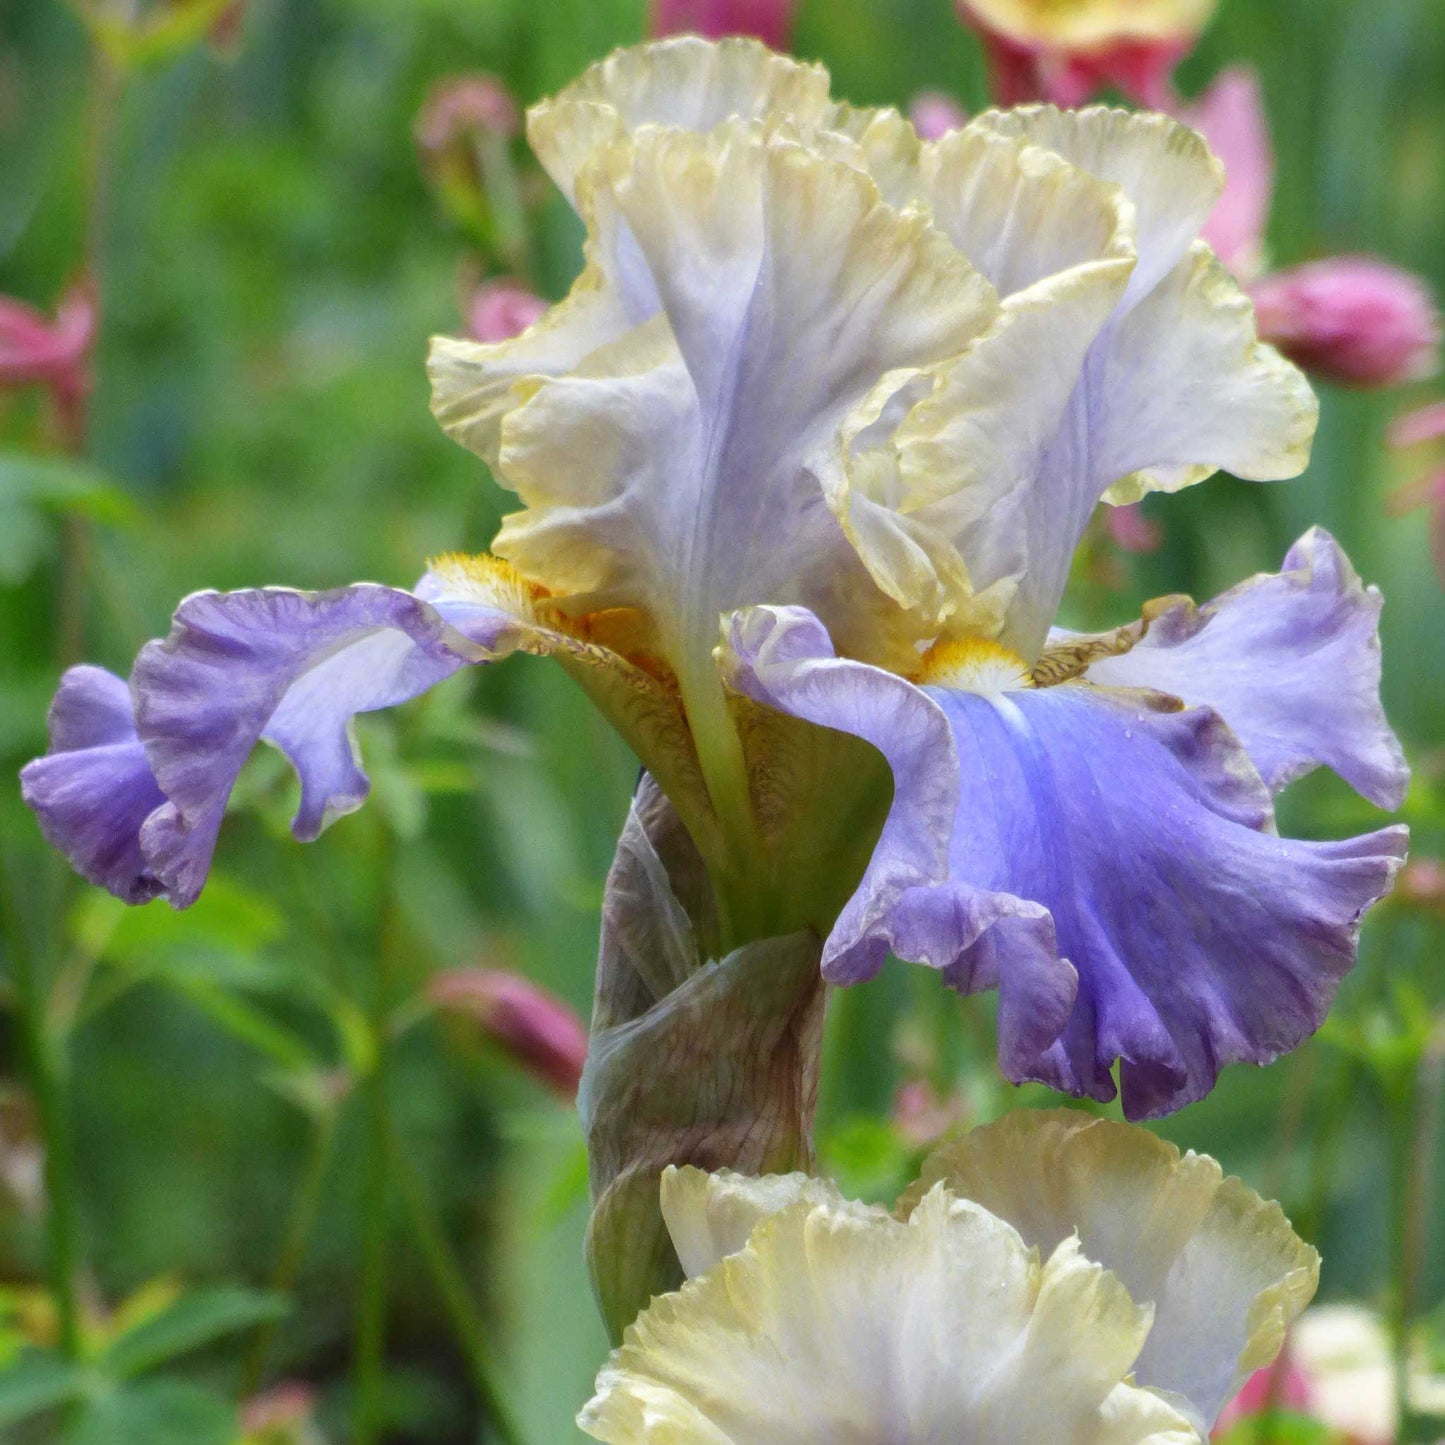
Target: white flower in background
point(1052, 1279)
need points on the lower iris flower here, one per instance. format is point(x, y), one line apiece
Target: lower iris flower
point(1051, 1277)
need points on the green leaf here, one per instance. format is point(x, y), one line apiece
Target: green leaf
point(1279, 1427)
point(196, 1319)
point(156, 1412)
point(35, 1382)
point(31, 486)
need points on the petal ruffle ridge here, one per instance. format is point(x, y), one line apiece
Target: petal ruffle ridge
point(1224, 1271)
point(1199, 937)
point(1290, 660)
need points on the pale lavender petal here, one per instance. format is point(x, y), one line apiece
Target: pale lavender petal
point(291, 667)
point(1291, 660)
point(92, 791)
point(782, 656)
point(1199, 937)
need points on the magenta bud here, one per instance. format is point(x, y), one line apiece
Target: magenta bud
point(1355, 320)
point(934, 114)
point(462, 106)
point(501, 309)
point(1416, 428)
point(1280, 1386)
point(771, 21)
point(35, 351)
point(1131, 530)
point(281, 1409)
point(534, 1028)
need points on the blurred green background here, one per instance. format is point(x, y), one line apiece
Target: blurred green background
point(272, 261)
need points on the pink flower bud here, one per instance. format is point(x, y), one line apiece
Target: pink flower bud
point(922, 1116)
point(934, 114)
point(770, 20)
point(1422, 884)
point(1416, 428)
point(533, 1027)
point(37, 352)
point(499, 310)
point(283, 1407)
point(460, 106)
point(1230, 116)
point(1280, 1386)
point(1351, 319)
point(1131, 530)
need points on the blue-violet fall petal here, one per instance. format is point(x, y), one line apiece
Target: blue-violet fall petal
point(1199, 936)
point(1290, 660)
point(94, 788)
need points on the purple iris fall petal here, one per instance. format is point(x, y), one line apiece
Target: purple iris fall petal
point(1291, 660)
point(782, 656)
point(1199, 936)
point(137, 779)
point(94, 788)
point(290, 667)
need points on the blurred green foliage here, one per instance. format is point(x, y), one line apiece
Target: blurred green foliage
point(272, 262)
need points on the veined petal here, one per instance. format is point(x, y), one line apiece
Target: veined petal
point(1188, 957)
point(783, 657)
point(94, 788)
point(675, 472)
point(1290, 660)
point(1224, 1271)
point(850, 1327)
point(1192, 389)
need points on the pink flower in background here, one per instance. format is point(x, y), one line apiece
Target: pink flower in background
point(1131, 530)
point(770, 20)
point(36, 351)
point(1040, 50)
point(1355, 320)
point(934, 114)
point(1423, 428)
point(460, 106)
point(922, 1116)
point(1280, 1386)
point(1231, 117)
point(533, 1027)
point(501, 309)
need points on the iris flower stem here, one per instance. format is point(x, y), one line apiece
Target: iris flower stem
point(1418, 1134)
point(369, 1360)
point(302, 1218)
point(446, 1273)
point(737, 876)
point(44, 1052)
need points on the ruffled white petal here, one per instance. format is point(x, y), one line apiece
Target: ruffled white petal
point(850, 1327)
point(1223, 1269)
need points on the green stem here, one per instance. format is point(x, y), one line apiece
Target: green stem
point(1418, 1131)
point(447, 1276)
point(369, 1360)
point(302, 1219)
point(44, 1051)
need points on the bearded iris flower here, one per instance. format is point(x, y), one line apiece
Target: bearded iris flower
point(1050, 1277)
point(855, 397)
